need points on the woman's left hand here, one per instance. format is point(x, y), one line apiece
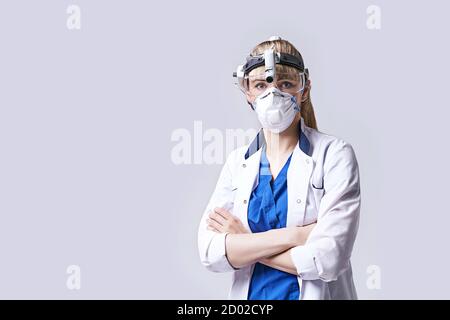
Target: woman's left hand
point(221, 221)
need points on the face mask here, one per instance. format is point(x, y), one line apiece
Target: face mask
point(275, 109)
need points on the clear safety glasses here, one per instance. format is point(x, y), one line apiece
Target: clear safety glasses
point(291, 83)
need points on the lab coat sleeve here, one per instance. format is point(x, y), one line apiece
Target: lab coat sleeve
point(326, 253)
point(211, 244)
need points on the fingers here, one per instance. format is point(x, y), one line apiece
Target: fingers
point(220, 220)
point(311, 226)
point(217, 217)
point(224, 213)
point(308, 228)
point(214, 224)
point(212, 229)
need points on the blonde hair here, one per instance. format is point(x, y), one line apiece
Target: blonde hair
point(307, 110)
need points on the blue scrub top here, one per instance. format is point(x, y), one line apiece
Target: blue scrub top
point(267, 210)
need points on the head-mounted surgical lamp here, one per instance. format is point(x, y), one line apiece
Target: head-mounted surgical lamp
point(269, 59)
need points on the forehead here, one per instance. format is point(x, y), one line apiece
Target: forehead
point(282, 72)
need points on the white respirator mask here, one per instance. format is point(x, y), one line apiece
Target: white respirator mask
point(276, 110)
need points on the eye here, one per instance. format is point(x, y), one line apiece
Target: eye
point(260, 85)
point(286, 85)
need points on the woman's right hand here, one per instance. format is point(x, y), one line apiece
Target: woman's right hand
point(299, 235)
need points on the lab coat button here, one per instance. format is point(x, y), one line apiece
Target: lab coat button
point(244, 165)
point(299, 200)
point(245, 201)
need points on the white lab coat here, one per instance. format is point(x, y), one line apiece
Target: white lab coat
point(323, 186)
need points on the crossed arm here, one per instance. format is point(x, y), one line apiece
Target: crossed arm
point(271, 247)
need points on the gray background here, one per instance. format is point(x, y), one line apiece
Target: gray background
point(86, 118)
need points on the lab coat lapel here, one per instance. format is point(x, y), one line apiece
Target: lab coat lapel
point(248, 180)
point(298, 177)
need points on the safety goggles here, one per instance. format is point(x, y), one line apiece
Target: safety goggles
point(262, 71)
point(291, 83)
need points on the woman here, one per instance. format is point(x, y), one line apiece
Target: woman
point(285, 211)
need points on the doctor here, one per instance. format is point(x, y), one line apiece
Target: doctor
point(284, 214)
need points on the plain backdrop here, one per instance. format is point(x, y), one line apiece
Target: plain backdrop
point(87, 116)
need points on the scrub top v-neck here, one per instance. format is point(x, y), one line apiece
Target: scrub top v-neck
point(267, 210)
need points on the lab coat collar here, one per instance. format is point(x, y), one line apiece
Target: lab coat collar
point(260, 141)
